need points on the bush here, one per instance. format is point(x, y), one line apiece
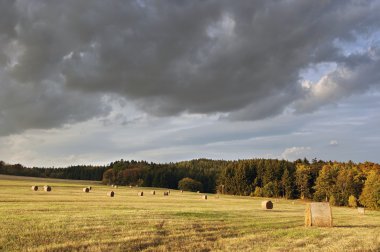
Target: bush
point(332, 200)
point(352, 201)
point(268, 190)
point(258, 192)
point(189, 184)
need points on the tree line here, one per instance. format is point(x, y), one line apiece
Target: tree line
point(340, 183)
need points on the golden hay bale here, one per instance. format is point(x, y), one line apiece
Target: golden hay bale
point(130, 186)
point(86, 189)
point(204, 197)
point(47, 188)
point(267, 204)
point(34, 188)
point(153, 192)
point(90, 188)
point(318, 214)
point(111, 194)
point(361, 210)
point(181, 191)
point(140, 193)
point(166, 193)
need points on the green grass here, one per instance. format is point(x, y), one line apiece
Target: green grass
point(68, 219)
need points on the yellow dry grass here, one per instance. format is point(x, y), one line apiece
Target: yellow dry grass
point(66, 219)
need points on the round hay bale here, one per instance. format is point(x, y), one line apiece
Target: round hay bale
point(318, 214)
point(153, 192)
point(140, 193)
point(166, 193)
point(86, 189)
point(361, 210)
point(267, 204)
point(34, 188)
point(111, 194)
point(130, 186)
point(89, 188)
point(47, 188)
point(204, 197)
point(112, 186)
point(198, 192)
point(181, 191)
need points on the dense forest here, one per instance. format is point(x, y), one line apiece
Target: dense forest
point(339, 183)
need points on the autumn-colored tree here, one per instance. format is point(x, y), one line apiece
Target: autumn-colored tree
point(189, 184)
point(352, 201)
point(370, 196)
point(303, 175)
point(326, 182)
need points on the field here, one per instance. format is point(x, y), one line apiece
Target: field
point(67, 219)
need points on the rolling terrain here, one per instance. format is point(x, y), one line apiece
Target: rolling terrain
point(67, 219)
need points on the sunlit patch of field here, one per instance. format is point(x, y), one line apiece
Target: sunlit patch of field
point(67, 219)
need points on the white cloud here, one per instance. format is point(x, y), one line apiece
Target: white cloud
point(294, 153)
point(333, 142)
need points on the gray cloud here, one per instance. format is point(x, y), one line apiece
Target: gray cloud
point(58, 59)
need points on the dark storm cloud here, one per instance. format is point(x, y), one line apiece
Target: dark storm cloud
point(59, 58)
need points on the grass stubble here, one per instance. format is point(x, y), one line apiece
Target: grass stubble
point(66, 219)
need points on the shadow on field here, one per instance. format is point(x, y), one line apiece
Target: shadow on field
point(358, 226)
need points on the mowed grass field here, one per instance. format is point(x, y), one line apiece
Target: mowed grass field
point(67, 219)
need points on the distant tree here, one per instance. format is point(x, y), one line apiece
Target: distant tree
point(286, 183)
point(370, 196)
point(303, 176)
point(189, 184)
point(109, 177)
point(326, 182)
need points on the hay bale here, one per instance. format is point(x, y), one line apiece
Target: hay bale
point(153, 192)
point(361, 210)
point(47, 188)
point(130, 186)
point(181, 191)
point(34, 188)
point(198, 192)
point(89, 188)
point(166, 193)
point(204, 197)
point(267, 204)
point(318, 214)
point(140, 193)
point(111, 194)
point(86, 189)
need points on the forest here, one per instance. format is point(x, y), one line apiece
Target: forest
point(340, 183)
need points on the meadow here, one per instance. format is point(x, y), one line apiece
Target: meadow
point(67, 219)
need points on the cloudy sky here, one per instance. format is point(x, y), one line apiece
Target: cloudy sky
point(90, 82)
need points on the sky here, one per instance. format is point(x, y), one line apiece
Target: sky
point(91, 82)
